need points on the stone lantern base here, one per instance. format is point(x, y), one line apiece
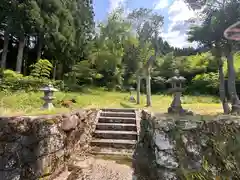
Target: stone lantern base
point(47, 106)
point(48, 103)
point(179, 110)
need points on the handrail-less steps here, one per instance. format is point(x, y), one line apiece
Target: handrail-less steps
point(116, 132)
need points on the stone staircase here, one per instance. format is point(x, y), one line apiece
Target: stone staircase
point(116, 132)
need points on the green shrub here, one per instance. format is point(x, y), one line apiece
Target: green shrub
point(42, 69)
point(11, 74)
point(207, 83)
point(27, 83)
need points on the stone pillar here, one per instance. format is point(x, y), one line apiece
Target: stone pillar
point(176, 103)
point(148, 86)
point(138, 89)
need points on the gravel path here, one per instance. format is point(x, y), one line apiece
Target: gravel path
point(99, 169)
point(108, 170)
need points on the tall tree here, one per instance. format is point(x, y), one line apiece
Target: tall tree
point(5, 20)
point(25, 15)
point(109, 48)
point(217, 18)
point(147, 25)
point(205, 36)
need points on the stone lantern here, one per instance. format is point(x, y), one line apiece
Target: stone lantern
point(177, 89)
point(131, 99)
point(48, 96)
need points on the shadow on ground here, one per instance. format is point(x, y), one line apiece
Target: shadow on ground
point(124, 105)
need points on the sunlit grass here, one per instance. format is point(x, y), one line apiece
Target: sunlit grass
point(22, 103)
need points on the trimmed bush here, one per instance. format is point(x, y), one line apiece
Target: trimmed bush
point(13, 81)
point(42, 69)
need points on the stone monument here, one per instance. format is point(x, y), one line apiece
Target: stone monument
point(48, 96)
point(131, 99)
point(177, 89)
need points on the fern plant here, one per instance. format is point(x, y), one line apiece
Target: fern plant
point(42, 69)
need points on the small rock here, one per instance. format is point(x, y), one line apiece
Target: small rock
point(66, 116)
point(75, 174)
point(85, 164)
point(162, 141)
point(76, 167)
point(69, 124)
point(166, 160)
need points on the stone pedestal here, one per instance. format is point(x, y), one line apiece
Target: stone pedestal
point(176, 105)
point(48, 103)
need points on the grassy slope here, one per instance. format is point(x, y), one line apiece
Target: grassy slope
point(22, 103)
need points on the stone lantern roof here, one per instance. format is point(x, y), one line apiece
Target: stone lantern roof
point(131, 88)
point(48, 88)
point(177, 78)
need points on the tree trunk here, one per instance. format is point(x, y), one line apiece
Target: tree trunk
point(39, 46)
point(5, 50)
point(138, 88)
point(148, 89)
point(20, 54)
point(24, 66)
point(232, 84)
point(54, 70)
point(59, 71)
point(222, 92)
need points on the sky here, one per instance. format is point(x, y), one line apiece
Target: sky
point(175, 13)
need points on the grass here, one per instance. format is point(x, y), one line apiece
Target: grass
point(22, 103)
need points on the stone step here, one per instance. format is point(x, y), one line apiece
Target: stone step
point(114, 143)
point(118, 114)
point(119, 110)
point(113, 152)
point(124, 120)
point(116, 127)
point(100, 134)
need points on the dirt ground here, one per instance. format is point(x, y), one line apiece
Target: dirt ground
point(95, 168)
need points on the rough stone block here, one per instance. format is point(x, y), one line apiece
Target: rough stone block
point(71, 123)
point(33, 147)
point(182, 145)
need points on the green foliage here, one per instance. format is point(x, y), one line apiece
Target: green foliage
point(58, 29)
point(84, 73)
point(26, 83)
point(108, 51)
point(42, 69)
point(187, 65)
point(236, 66)
point(205, 83)
point(1, 73)
point(63, 31)
point(11, 74)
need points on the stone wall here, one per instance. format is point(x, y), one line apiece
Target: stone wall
point(39, 147)
point(173, 147)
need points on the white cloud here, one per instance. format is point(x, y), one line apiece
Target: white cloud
point(176, 39)
point(178, 15)
point(113, 4)
point(161, 4)
point(179, 11)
